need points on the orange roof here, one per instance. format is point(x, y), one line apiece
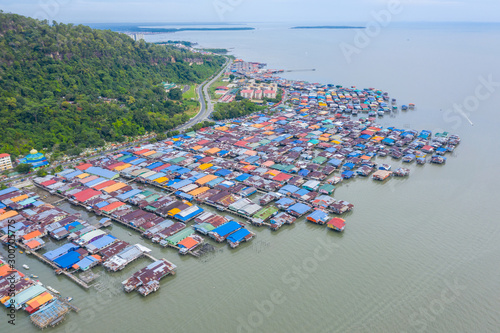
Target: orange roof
point(40, 300)
point(19, 198)
point(188, 242)
point(114, 187)
point(205, 179)
point(151, 152)
point(112, 206)
point(32, 235)
point(122, 167)
point(198, 191)
point(5, 270)
point(10, 213)
point(32, 244)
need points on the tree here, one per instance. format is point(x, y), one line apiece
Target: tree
point(41, 172)
point(175, 94)
point(23, 168)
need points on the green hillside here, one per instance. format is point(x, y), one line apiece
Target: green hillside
point(64, 86)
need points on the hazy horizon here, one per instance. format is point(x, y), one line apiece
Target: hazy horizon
point(255, 11)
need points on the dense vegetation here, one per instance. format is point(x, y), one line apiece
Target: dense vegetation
point(235, 109)
point(66, 87)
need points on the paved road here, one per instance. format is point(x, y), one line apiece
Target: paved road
point(202, 90)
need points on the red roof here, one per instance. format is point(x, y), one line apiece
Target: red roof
point(114, 165)
point(4, 155)
point(84, 166)
point(161, 167)
point(103, 185)
point(86, 194)
point(282, 177)
point(142, 151)
point(337, 222)
point(48, 182)
point(241, 144)
point(202, 142)
point(112, 206)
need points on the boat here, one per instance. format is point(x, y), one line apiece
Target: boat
point(33, 276)
point(421, 160)
point(385, 167)
point(21, 252)
point(69, 299)
point(404, 107)
point(52, 289)
point(380, 113)
point(130, 234)
point(26, 266)
point(411, 106)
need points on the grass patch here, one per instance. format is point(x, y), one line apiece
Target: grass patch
point(213, 88)
point(193, 108)
point(191, 93)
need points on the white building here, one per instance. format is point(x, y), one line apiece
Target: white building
point(5, 162)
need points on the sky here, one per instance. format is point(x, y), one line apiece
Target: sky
point(248, 11)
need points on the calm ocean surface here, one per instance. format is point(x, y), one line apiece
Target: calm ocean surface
point(418, 254)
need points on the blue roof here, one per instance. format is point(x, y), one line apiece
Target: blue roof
point(12, 228)
point(67, 260)
point(154, 165)
point(318, 215)
point(138, 161)
point(51, 255)
point(347, 174)
point(102, 242)
point(243, 177)
point(73, 174)
point(227, 228)
point(86, 262)
point(8, 190)
point(156, 176)
point(238, 236)
point(299, 208)
point(222, 172)
point(303, 172)
point(301, 192)
point(180, 184)
point(183, 170)
point(95, 182)
point(284, 201)
point(216, 181)
point(172, 168)
point(130, 159)
point(129, 194)
point(288, 189)
point(101, 172)
point(102, 204)
point(335, 162)
point(349, 165)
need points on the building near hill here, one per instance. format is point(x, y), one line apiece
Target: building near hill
point(5, 162)
point(36, 159)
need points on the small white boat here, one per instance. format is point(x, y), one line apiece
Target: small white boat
point(52, 289)
point(69, 299)
point(26, 266)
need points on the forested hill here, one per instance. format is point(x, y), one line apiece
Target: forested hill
point(65, 86)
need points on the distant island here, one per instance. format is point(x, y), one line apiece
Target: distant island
point(159, 30)
point(328, 27)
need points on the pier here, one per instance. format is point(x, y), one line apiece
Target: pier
point(53, 265)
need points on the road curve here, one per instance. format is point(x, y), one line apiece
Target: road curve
point(205, 108)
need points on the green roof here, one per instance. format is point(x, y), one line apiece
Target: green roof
point(174, 239)
point(265, 213)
